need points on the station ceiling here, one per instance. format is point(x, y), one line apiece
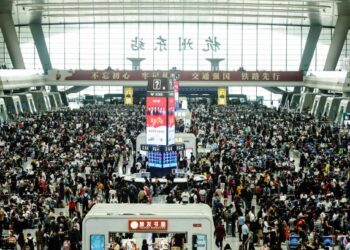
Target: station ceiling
point(296, 12)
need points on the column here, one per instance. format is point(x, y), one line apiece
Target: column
point(309, 50)
point(40, 44)
point(136, 62)
point(214, 63)
point(11, 40)
point(339, 37)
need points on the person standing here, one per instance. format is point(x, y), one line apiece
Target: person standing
point(245, 234)
point(72, 206)
point(220, 235)
point(2, 219)
point(240, 223)
point(40, 241)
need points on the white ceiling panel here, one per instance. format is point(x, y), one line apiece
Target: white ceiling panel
point(294, 12)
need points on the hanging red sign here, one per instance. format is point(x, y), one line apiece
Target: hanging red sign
point(148, 225)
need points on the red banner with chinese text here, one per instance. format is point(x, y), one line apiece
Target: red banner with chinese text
point(111, 75)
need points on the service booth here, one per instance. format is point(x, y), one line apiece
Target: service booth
point(41, 100)
point(344, 107)
point(318, 105)
point(27, 103)
point(13, 104)
point(3, 111)
point(331, 107)
point(162, 226)
point(306, 101)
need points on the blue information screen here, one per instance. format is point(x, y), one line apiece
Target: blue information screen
point(155, 159)
point(97, 242)
point(170, 159)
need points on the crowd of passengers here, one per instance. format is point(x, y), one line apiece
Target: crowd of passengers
point(268, 174)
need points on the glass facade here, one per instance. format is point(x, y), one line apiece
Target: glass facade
point(5, 59)
point(165, 45)
point(185, 46)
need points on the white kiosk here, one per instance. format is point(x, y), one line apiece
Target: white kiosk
point(3, 111)
point(306, 101)
point(344, 107)
point(27, 102)
point(192, 223)
point(331, 107)
point(13, 104)
point(181, 138)
point(317, 106)
point(42, 101)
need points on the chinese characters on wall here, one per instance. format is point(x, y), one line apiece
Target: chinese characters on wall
point(123, 75)
point(184, 43)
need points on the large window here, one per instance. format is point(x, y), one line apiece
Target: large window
point(185, 46)
point(4, 56)
point(28, 49)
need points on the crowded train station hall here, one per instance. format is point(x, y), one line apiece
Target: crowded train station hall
point(174, 125)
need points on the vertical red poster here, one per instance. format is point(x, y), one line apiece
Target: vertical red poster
point(156, 118)
point(171, 120)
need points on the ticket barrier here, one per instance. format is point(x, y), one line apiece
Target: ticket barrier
point(317, 106)
point(306, 102)
point(3, 111)
point(13, 104)
point(294, 101)
point(27, 103)
point(331, 107)
point(344, 107)
point(41, 100)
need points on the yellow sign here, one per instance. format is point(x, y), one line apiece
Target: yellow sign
point(222, 96)
point(128, 96)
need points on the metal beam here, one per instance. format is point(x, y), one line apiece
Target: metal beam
point(310, 46)
point(275, 90)
point(40, 44)
point(311, 43)
point(75, 89)
point(11, 40)
point(338, 40)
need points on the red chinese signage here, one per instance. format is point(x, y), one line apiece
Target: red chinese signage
point(148, 225)
point(111, 75)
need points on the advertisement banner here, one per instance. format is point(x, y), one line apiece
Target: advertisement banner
point(128, 96)
point(171, 120)
point(222, 96)
point(156, 119)
point(176, 94)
